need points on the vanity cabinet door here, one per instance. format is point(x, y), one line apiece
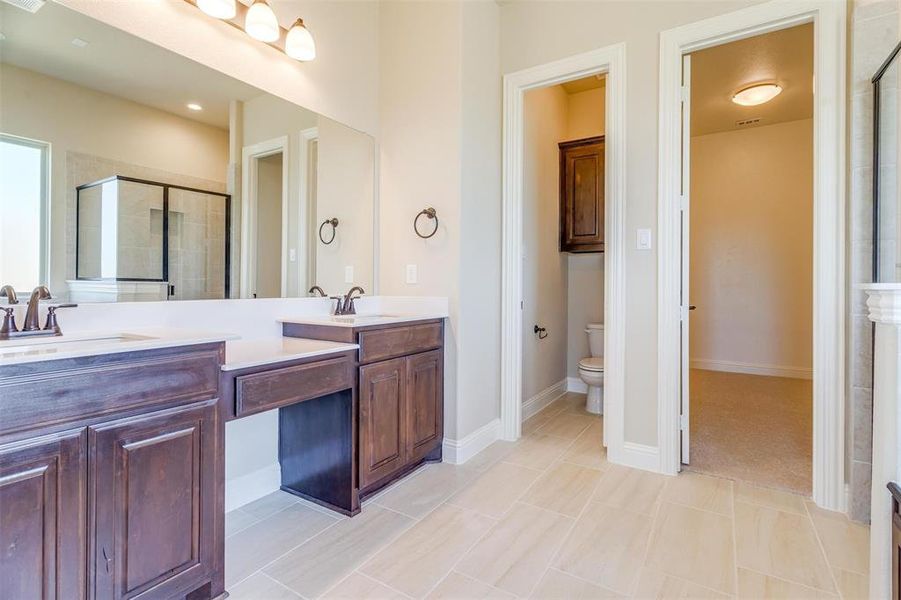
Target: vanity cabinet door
point(42, 518)
point(383, 401)
point(425, 412)
point(151, 503)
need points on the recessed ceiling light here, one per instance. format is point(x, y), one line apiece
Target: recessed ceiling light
point(79, 43)
point(194, 106)
point(757, 94)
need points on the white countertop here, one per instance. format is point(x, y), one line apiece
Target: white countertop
point(241, 354)
point(33, 349)
point(359, 320)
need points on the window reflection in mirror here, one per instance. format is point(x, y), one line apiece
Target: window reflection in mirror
point(113, 188)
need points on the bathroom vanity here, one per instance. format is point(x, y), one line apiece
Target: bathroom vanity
point(112, 449)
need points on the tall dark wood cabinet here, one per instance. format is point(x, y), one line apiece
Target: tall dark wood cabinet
point(896, 540)
point(582, 195)
point(42, 521)
point(152, 488)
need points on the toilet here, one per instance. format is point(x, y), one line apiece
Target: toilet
point(591, 369)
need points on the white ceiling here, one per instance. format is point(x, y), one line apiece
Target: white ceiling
point(784, 57)
point(116, 63)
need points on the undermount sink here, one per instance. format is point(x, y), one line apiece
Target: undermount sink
point(357, 319)
point(62, 343)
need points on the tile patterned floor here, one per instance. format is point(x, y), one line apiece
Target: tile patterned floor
point(548, 517)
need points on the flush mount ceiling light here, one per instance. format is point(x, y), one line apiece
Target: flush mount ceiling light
point(757, 94)
point(261, 23)
point(220, 9)
point(194, 106)
point(299, 44)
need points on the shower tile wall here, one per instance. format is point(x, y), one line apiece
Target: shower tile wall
point(874, 32)
point(196, 245)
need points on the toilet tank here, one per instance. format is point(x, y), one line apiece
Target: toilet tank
point(595, 333)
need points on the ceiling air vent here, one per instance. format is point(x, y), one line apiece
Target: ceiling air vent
point(31, 6)
point(748, 122)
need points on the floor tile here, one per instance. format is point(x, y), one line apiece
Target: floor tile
point(781, 544)
point(485, 459)
point(417, 560)
point(654, 584)
point(853, 586)
point(575, 403)
point(606, 546)
point(565, 488)
point(700, 491)
point(323, 561)
point(251, 549)
point(566, 425)
point(631, 489)
point(694, 545)
point(847, 544)
point(495, 491)
point(269, 505)
point(461, 587)
point(557, 585)
point(357, 586)
point(537, 451)
point(745, 492)
point(421, 493)
point(514, 554)
point(238, 520)
point(588, 450)
point(753, 586)
point(260, 587)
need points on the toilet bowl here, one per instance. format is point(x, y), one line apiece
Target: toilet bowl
point(591, 369)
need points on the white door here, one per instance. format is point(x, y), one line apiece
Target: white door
point(683, 296)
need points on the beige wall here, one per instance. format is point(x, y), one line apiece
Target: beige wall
point(269, 226)
point(585, 113)
point(534, 33)
point(80, 120)
point(544, 274)
point(751, 265)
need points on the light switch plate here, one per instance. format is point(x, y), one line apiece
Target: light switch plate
point(349, 274)
point(412, 274)
point(643, 239)
point(292, 254)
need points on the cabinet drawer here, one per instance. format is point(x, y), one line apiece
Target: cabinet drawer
point(381, 344)
point(264, 391)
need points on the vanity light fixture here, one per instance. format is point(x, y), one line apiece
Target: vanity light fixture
point(757, 94)
point(299, 44)
point(194, 106)
point(261, 23)
point(220, 9)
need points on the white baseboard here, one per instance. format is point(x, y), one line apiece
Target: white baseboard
point(637, 456)
point(751, 368)
point(457, 452)
point(252, 486)
point(542, 399)
point(574, 384)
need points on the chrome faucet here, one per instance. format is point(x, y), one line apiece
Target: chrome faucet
point(31, 315)
point(316, 291)
point(345, 305)
point(10, 293)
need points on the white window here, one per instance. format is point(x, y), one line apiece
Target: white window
point(24, 211)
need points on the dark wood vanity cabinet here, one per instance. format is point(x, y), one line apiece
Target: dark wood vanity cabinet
point(110, 476)
point(582, 195)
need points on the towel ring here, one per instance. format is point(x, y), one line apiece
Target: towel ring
point(431, 213)
point(334, 223)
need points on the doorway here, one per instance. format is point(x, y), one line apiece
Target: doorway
point(264, 210)
point(828, 286)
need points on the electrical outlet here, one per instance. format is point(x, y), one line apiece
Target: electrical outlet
point(349, 274)
point(412, 274)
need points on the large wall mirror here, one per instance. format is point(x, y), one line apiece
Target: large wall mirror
point(128, 172)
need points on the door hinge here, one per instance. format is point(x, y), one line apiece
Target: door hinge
point(683, 93)
point(683, 422)
point(683, 202)
point(683, 313)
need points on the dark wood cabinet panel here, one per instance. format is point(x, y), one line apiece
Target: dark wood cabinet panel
point(896, 540)
point(280, 387)
point(383, 405)
point(151, 503)
point(42, 512)
point(425, 413)
point(381, 344)
point(582, 195)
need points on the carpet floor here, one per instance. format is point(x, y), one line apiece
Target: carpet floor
point(752, 428)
